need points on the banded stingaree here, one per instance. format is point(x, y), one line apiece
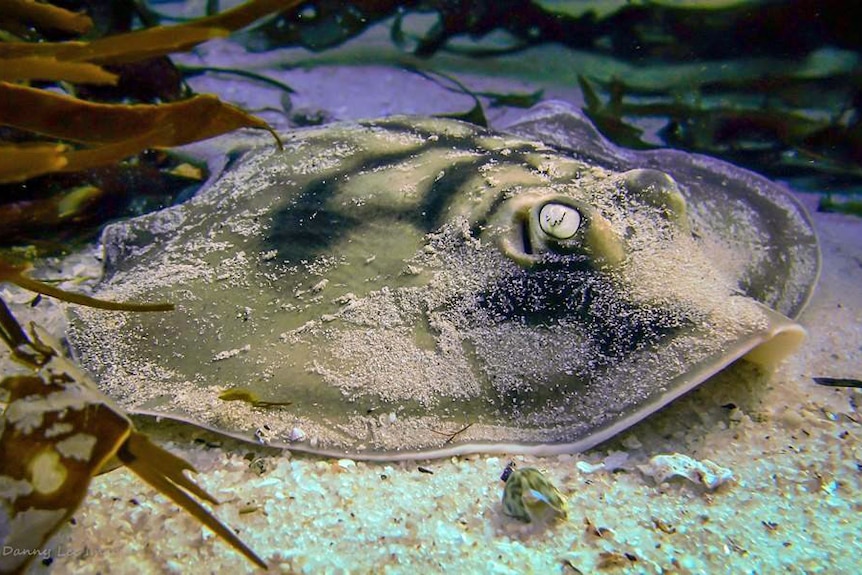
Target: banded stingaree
point(540, 289)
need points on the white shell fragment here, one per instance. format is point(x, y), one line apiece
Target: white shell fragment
point(705, 473)
point(297, 434)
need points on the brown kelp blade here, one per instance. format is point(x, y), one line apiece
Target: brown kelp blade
point(66, 118)
point(23, 161)
point(151, 42)
point(87, 158)
point(162, 40)
point(15, 274)
point(164, 471)
point(44, 15)
point(118, 131)
point(30, 68)
point(116, 49)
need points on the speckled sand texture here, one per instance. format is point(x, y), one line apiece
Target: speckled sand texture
point(793, 507)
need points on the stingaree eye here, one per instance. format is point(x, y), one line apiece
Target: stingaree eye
point(559, 220)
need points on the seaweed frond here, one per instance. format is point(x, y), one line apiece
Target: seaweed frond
point(83, 135)
point(117, 130)
point(164, 471)
point(150, 42)
point(43, 15)
point(196, 118)
point(24, 161)
point(29, 68)
point(16, 275)
point(249, 397)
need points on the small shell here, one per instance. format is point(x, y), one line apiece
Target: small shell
point(297, 434)
point(529, 495)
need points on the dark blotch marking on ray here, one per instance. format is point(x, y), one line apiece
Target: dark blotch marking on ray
point(432, 211)
point(308, 226)
point(559, 292)
point(566, 291)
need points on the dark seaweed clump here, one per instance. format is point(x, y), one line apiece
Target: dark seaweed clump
point(781, 93)
point(88, 105)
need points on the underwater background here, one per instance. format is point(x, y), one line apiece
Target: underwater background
point(770, 466)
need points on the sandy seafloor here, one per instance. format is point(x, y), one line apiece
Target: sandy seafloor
point(795, 450)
